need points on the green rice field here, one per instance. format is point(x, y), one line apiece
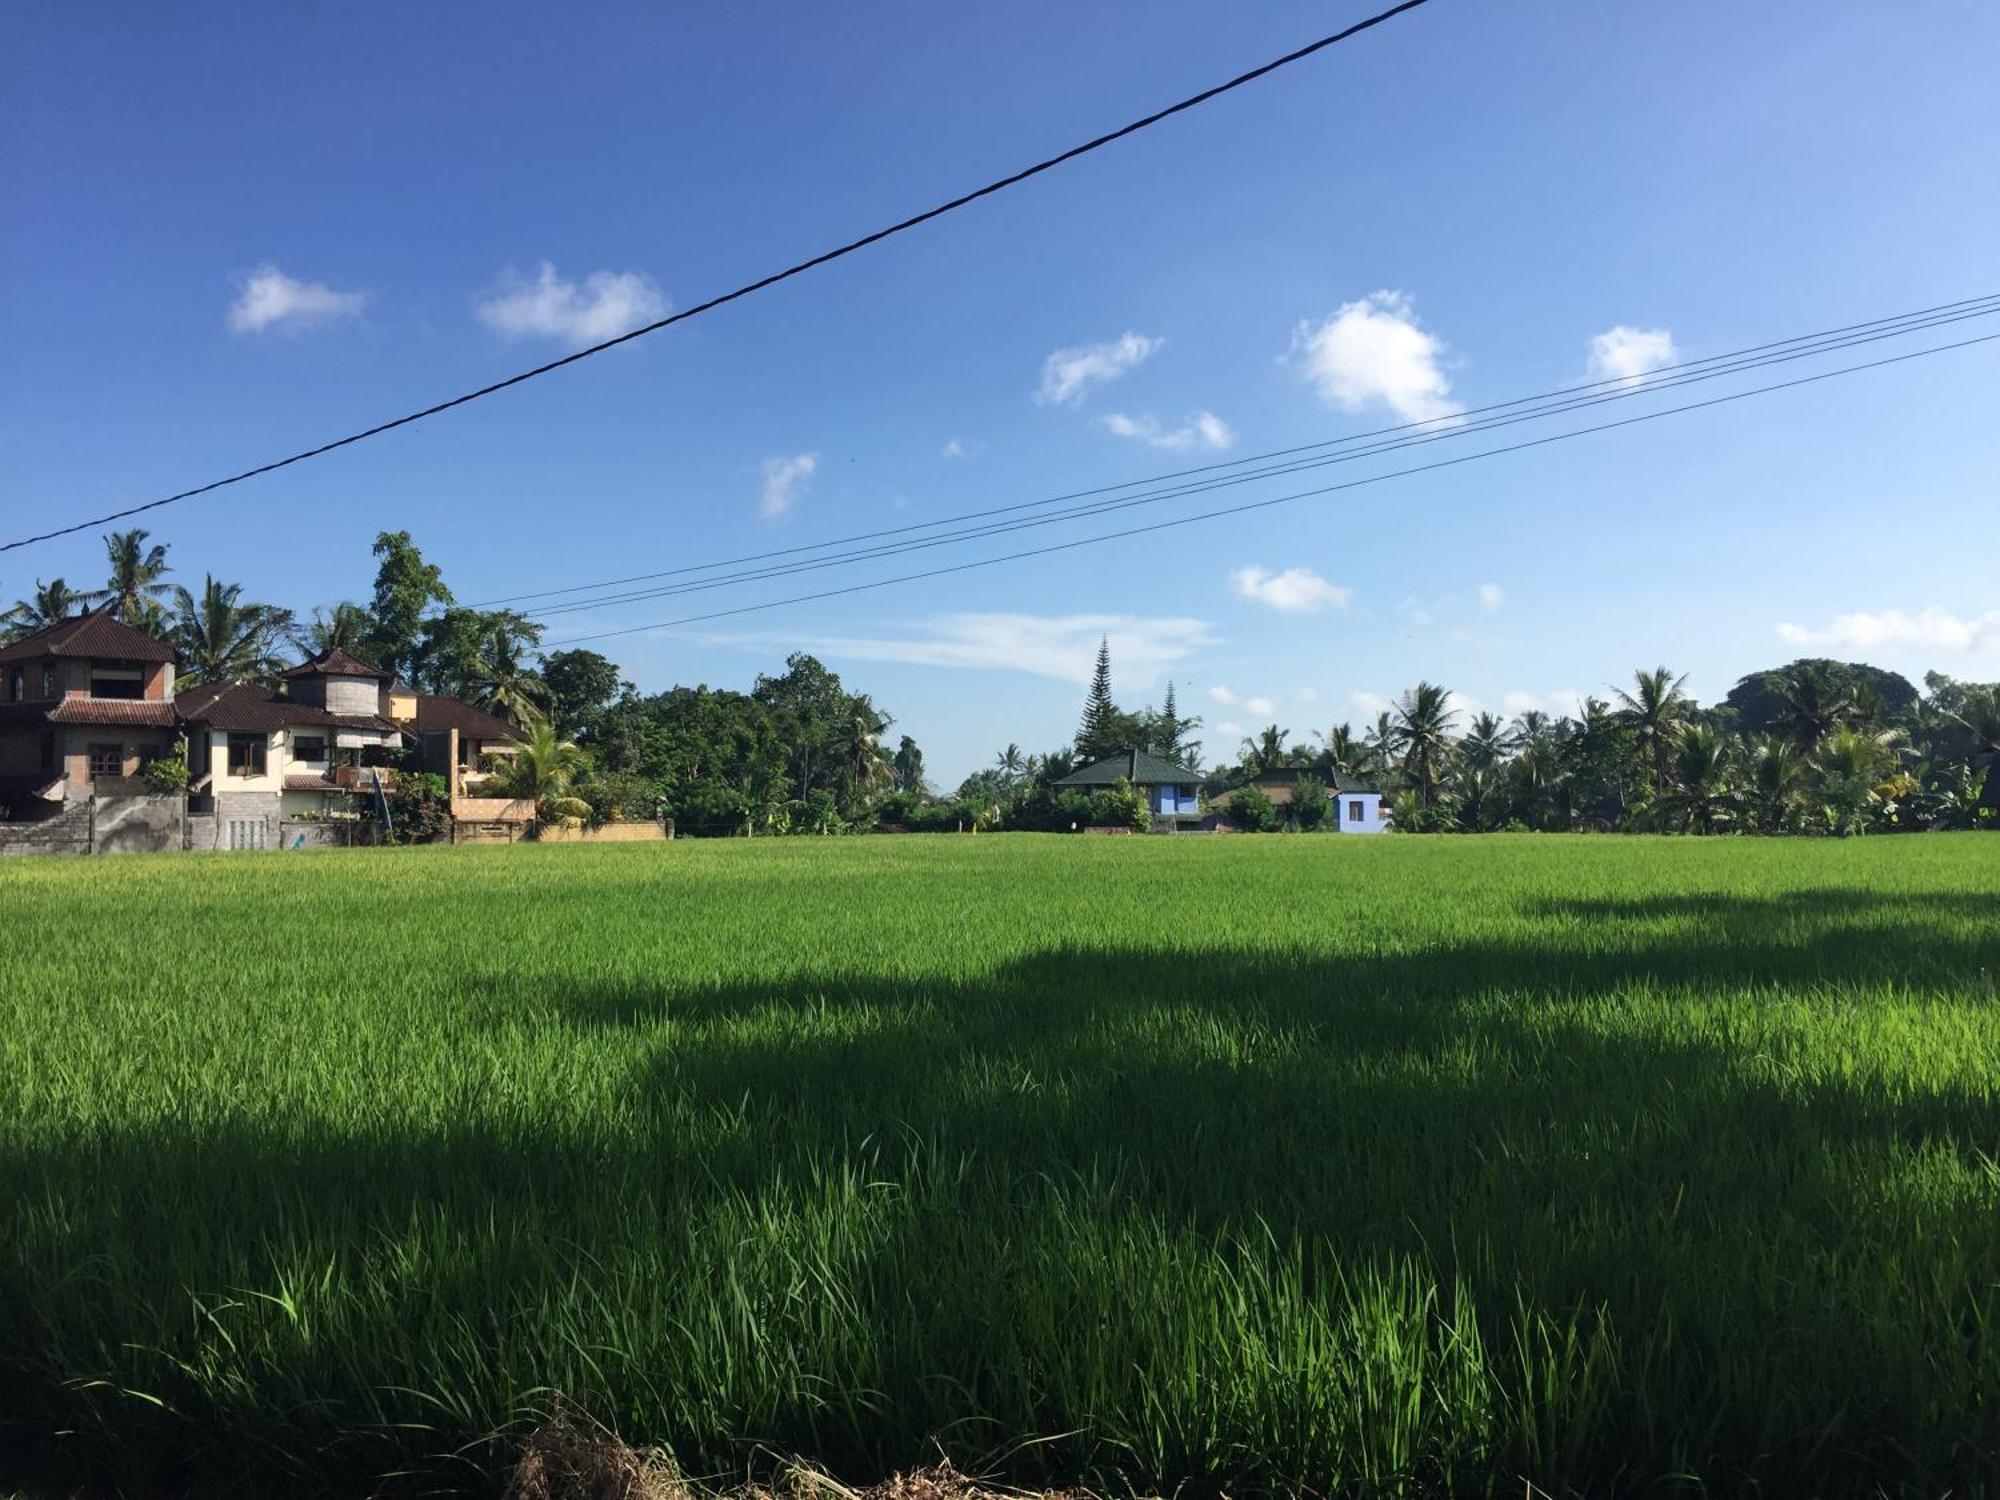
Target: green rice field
point(1295, 1165)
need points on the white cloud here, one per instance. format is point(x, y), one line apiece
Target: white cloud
point(271, 299)
point(1295, 591)
point(1369, 705)
point(954, 448)
point(1628, 354)
point(1931, 629)
point(1222, 695)
point(1491, 597)
point(1069, 374)
point(1307, 695)
point(1261, 708)
point(607, 304)
point(1063, 647)
point(1375, 350)
point(1202, 430)
point(784, 482)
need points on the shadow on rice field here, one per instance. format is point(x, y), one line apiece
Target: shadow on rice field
point(1661, 1192)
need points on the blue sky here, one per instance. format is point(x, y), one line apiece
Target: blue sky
point(234, 231)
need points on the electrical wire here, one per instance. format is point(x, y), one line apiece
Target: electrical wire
point(1628, 390)
point(762, 283)
point(1447, 463)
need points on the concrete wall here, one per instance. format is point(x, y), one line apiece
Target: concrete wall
point(68, 832)
point(244, 820)
point(138, 824)
point(353, 695)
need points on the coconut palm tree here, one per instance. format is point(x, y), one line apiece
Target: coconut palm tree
point(1010, 763)
point(133, 591)
point(1811, 706)
point(1487, 742)
point(1777, 782)
point(544, 769)
point(1655, 710)
point(345, 625)
point(1420, 730)
point(1852, 767)
point(221, 638)
point(1704, 796)
point(502, 679)
point(1341, 753)
point(1267, 749)
point(51, 603)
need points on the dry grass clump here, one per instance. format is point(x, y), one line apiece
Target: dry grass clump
point(574, 1458)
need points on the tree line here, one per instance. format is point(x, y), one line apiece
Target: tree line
point(1814, 746)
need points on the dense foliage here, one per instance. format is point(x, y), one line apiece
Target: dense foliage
point(1556, 1166)
point(1815, 746)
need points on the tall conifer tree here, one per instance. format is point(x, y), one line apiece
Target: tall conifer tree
point(1099, 711)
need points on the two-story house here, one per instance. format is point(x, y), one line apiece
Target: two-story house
point(256, 756)
point(84, 705)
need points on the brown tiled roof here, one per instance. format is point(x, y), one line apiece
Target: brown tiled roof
point(249, 707)
point(159, 714)
point(311, 783)
point(437, 713)
point(93, 633)
point(336, 661)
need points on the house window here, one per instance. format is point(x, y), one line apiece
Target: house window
point(246, 754)
point(48, 682)
point(1355, 813)
point(116, 682)
point(309, 747)
point(107, 760)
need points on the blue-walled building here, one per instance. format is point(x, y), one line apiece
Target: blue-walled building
point(1172, 791)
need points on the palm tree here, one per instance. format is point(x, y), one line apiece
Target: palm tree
point(1421, 730)
point(1811, 705)
point(345, 625)
point(52, 603)
point(502, 679)
point(219, 638)
point(1852, 767)
point(1010, 763)
point(1655, 710)
point(1704, 795)
point(1481, 797)
point(1777, 781)
point(133, 590)
point(1341, 754)
point(1267, 750)
point(1487, 742)
point(544, 770)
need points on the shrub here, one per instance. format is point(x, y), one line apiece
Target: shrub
point(168, 774)
point(419, 808)
point(1251, 809)
point(1312, 803)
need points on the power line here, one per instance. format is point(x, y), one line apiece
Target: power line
point(1110, 536)
point(1625, 391)
point(1945, 312)
point(799, 268)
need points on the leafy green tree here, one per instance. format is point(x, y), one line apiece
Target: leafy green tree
point(405, 588)
point(581, 685)
point(1341, 755)
point(1759, 700)
point(221, 637)
point(1251, 809)
point(1851, 768)
point(133, 591)
point(908, 765)
point(1312, 803)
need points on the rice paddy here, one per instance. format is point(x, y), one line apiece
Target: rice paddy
point(1394, 1166)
